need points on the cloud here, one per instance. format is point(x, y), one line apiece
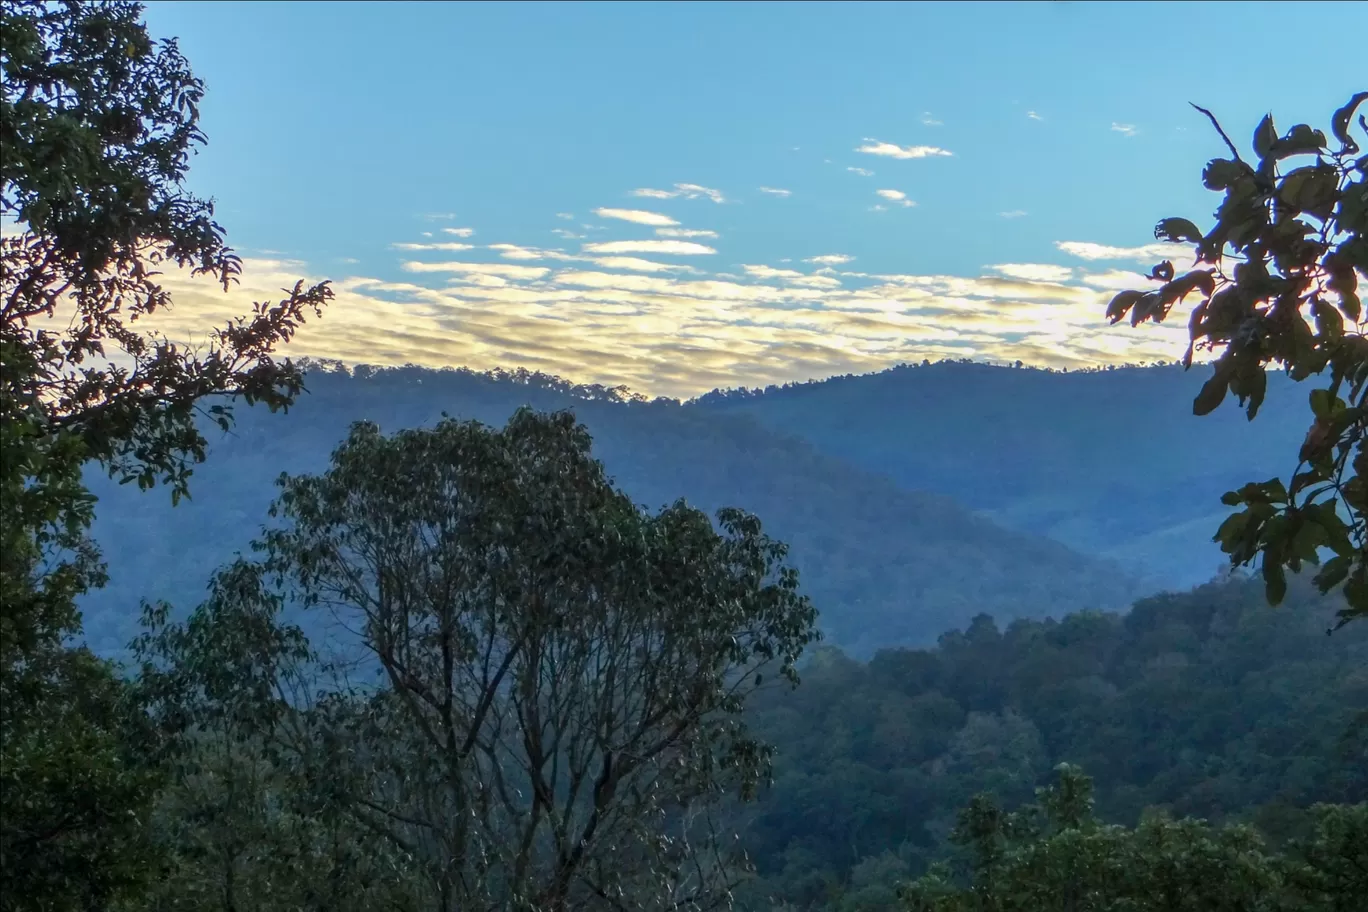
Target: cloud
point(1087, 250)
point(889, 150)
point(769, 272)
point(863, 172)
point(459, 232)
point(1034, 272)
point(896, 196)
point(443, 245)
point(1013, 214)
point(612, 317)
point(677, 248)
point(519, 252)
point(685, 191)
point(568, 216)
point(438, 216)
point(930, 121)
point(567, 234)
point(685, 233)
point(635, 264)
point(775, 191)
point(501, 270)
point(1126, 130)
point(638, 216)
point(1033, 115)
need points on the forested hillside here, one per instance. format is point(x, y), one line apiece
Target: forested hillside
point(1207, 704)
point(887, 564)
point(1111, 462)
point(283, 635)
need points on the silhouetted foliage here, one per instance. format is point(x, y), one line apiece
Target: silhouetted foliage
point(1297, 244)
point(97, 122)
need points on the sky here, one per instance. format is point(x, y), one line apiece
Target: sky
point(681, 197)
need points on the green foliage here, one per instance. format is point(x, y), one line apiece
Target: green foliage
point(1055, 854)
point(77, 775)
point(1296, 238)
point(1208, 704)
point(537, 703)
point(97, 122)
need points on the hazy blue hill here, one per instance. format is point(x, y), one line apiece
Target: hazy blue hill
point(886, 565)
point(1112, 463)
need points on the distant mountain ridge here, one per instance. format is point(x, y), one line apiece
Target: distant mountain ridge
point(1110, 462)
point(885, 565)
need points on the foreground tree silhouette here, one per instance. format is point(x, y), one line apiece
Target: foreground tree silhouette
point(561, 675)
point(1296, 240)
point(97, 122)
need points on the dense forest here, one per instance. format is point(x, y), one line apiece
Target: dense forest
point(890, 564)
point(1206, 704)
point(284, 635)
point(1047, 451)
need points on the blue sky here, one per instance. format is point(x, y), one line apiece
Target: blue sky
point(682, 196)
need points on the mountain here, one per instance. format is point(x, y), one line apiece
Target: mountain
point(1110, 462)
point(884, 564)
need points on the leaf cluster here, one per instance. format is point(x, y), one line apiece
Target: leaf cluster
point(1277, 278)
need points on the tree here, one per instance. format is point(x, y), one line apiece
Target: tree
point(1296, 239)
point(536, 694)
point(1055, 855)
point(97, 122)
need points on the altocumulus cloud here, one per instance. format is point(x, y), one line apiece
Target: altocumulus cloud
point(889, 150)
point(638, 216)
point(606, 315)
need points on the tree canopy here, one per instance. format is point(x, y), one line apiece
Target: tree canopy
point(536, 700)
point(1287, 245)
point(97, 124)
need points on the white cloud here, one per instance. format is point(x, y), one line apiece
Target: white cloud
point(1034, 272)
point(438, 216)
point(444, 245)
point(685, 191)
point(896, 196)
point(623, 320)
point(775, 191)
point(568, 216)
point(889, 150)
point(769, 272)
point(635, 264)
point(1126, 130)
point(829, 259)
point(519, 252)
point(668, 247)
point(1087, 250)
point(459, 232)
point(685, 233)
point(1033, 115)
point(863, 172)
point(501, 270)
point(1013, 213)
point(930, 121)
point(638, 216)
point(567, 234)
